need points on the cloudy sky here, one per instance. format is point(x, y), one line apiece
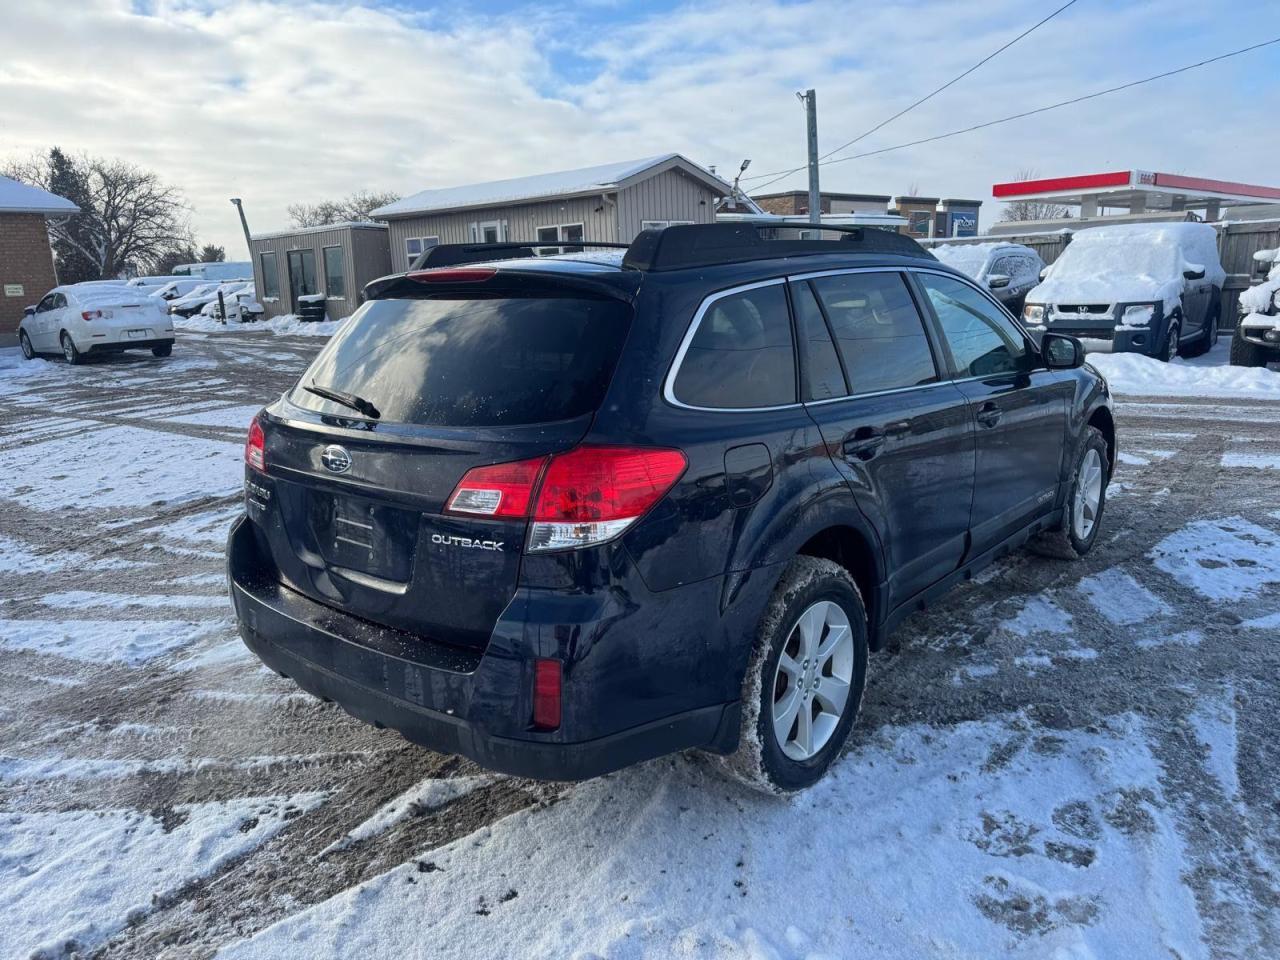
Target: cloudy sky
point(282, 102)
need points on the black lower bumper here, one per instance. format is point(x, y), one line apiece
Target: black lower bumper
point(119, 346)
point(428, 692)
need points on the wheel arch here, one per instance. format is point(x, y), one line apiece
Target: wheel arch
point(1105, 422)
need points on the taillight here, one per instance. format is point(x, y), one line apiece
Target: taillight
point(95, 314)
point(546, 694)
point(255, 448)
point(576, 499)
point(502, 490)
point(452, 275)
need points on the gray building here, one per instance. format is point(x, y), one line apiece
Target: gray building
point(608, 203)
point(336, 260)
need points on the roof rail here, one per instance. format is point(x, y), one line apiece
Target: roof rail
point(710, 244)
point(452, 254)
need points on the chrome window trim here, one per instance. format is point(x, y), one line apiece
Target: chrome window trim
point(668, 387)
point(879, 393)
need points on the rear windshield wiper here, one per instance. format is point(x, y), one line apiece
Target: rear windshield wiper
point(359, 404)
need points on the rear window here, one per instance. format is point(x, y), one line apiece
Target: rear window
point(472, 362)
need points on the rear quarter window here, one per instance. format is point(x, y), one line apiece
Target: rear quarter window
point(473, 361)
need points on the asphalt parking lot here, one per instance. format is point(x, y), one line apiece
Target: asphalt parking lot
point(1061, 760)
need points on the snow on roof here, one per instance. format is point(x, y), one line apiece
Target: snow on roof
point(16, 197)
point(1181, 232)
point(300, 231)
point(561, 183)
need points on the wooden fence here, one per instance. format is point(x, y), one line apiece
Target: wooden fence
point(1237, 242)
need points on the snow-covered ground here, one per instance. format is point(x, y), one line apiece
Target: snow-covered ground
point(1209, 375)
point(289, 325)
point(1061, 761)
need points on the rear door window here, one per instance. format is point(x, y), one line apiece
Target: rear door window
point(878, 331)
point(741, 355)
point(472, 362)
point(823, 376)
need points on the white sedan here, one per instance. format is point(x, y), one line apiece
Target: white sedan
point(76, 320)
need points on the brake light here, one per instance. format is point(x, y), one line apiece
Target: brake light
point(502, 490)
point(546, 694)
point(255, 448)
point(576, 499)
point(95, 314)
point(451, 275)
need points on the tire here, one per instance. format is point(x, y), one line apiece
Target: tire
point(1246, 354)
point(163, 350)
point(1081, 520)
point(822, 593)
point(1206, 342)
point(28, 352)
point(1170, 343)
point(69, 351)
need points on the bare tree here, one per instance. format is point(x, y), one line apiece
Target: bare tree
point(1019, 210)
point(350, 209)
point(129, 218)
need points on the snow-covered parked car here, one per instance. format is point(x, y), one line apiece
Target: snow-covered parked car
point(151, 284)
point(1257, 339)
point(177, 288)
point(202, 295)
point(1141, 288)
point(241, 306)
point(81, 319)
point(1008, 270)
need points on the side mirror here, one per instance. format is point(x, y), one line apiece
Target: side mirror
point(29, 311)
point(1044, 272)
point(1261, 268)
point(1061, 352)
point(1193, 272)
point(998, 280)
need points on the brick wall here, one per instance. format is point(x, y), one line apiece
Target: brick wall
point(25, 260)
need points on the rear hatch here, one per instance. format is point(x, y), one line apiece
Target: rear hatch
point(459, 379)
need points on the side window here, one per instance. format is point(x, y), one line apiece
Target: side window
point(1003, 265)
point(46, 303)
point(823, 378)
point(59, 301)
point(983, 341)
point(741, 355)
point(878, 331)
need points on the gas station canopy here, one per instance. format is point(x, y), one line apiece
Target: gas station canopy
point(1140, 191)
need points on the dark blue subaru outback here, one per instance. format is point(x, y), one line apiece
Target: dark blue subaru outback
point(563, 514)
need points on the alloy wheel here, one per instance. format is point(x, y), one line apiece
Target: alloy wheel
point(25, 342)
point(812, 681)
point(68, 349)
point(1088, 496)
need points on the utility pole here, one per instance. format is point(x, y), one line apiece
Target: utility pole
point(810, 100)
point(245, 225)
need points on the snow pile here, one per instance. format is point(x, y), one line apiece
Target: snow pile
point(1028, 844)
point(68, 881)
point(1133, 373)
point(288, 325)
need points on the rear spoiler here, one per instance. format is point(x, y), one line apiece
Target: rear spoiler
point(452, 254)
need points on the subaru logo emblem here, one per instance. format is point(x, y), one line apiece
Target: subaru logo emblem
point(335, 459)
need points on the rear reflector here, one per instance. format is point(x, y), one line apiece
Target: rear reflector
point(451, 275)
point(576, 499)
point(546, 694)
point(255, 448)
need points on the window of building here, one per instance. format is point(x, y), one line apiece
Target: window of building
point(983, 341)
point(270, 277)
point(561, 233)
point(335, 278)
point(741, 355)
point(878, 331)
point(415, 247)
point(919, 222)
point(659, 224)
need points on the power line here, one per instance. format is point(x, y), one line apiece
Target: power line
point(1048, 107)
point(926, 97)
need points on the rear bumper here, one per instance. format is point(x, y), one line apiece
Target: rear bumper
point(115, 346)
point(445, 698)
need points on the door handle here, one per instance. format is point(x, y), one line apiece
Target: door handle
point(989, 414)
point(899, 428)
point(864, 444)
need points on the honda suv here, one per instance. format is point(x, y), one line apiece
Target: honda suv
point(563, 514)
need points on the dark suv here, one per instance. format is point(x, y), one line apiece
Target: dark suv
point(564, 514)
